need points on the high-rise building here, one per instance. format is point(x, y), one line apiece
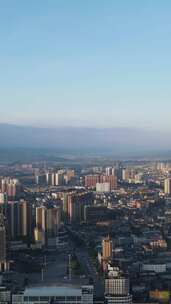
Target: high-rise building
point(3, 203)
point(3, 249)
point(11, 186)
point(73, 208)
point(40, 178)
point(40, 229)
point(55, 178)
point(117, 287)
point(69, 176)
point(13, 219)
point(125, 174)
point(48, 222)
point(163, 167)
point(76, 202)
point(25, 218)
point(59, 179)
point(53, 220)
point(3, 198)
point(91, 180)
point(109, 171)
point(94, 214)
point(103, 187)
point(19, 219)
point(167, 186)
point(111, 179)
point(65, 204)
point(47, 178)
point(107, 248)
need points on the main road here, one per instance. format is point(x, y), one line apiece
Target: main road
point(90, 270)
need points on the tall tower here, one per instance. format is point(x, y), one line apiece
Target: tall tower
point(3, 254)
point(107, 247)
point(53, 218)
point(40, 225)
point(167, 186)
point(13, 220)
point(25, 219)
point(19, 218)
point(117, 289)
point(3, 203)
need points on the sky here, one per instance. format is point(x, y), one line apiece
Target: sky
point(93, 63)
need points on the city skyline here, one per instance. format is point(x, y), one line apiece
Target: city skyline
point(86, 64)
point(85, 152)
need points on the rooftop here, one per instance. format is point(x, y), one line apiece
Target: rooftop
point(68, 290)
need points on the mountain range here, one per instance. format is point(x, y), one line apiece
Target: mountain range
point(114, 140)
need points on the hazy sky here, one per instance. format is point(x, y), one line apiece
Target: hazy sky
point(86, 63)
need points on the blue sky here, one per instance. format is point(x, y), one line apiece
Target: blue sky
point(86, 63)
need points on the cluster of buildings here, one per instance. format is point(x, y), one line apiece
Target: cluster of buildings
point(102, 183)
point(121, 214)
point(55, 178)
point(74, 204)
point(48, 222)
point(26, 224)
point(9, 186)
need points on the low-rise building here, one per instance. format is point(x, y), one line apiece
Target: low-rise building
point(55, 294)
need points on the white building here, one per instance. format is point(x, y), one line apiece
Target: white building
point(3, 198)
point(5, 295)
point(158, 268)
point(109, 171)
point(103, 187)
point(117, 287)
point(119, 299)
point(58, 294)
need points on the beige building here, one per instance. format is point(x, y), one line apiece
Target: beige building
point(167, 186)
point(107, 248)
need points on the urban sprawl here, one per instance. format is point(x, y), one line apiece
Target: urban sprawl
point(85, 234)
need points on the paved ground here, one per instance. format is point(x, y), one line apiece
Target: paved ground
point(56, 271)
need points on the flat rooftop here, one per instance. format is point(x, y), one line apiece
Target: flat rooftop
point(54, 291)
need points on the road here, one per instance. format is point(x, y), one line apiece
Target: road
point(90, 270)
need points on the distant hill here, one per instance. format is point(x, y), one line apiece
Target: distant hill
point(114, 140)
